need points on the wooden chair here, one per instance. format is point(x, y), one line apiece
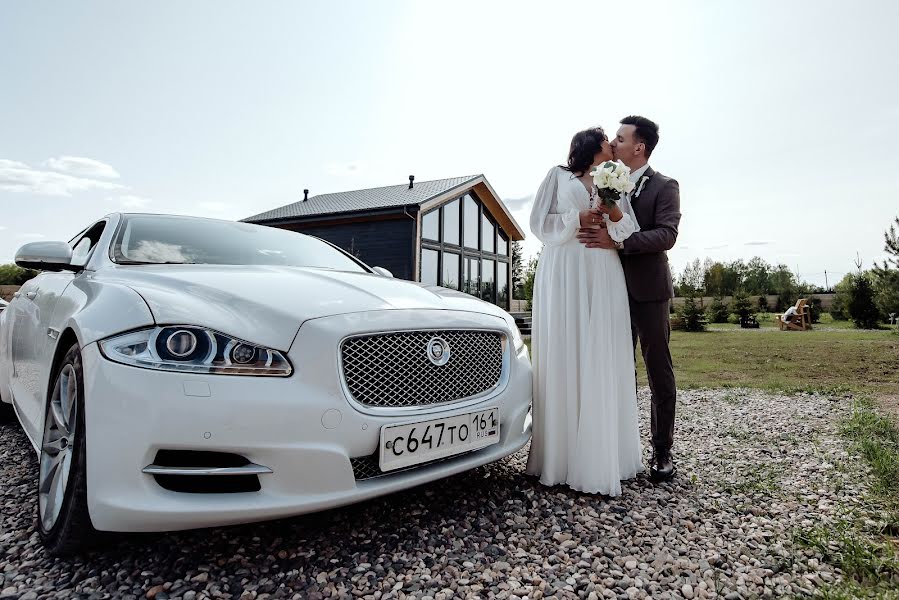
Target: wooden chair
point(799, 321)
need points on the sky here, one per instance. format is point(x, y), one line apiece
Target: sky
point(779, 119)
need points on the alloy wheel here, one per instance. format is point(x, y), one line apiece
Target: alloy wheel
point(58, 446)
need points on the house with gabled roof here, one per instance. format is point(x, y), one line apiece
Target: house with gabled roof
point(456, 232)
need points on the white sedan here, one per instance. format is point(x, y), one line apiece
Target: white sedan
point(176, 372)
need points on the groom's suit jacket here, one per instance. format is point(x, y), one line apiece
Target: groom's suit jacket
point(643, 257)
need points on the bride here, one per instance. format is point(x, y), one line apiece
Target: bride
point(585, 404)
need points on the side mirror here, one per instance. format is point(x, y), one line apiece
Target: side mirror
point(46, 256)
point(382, 271)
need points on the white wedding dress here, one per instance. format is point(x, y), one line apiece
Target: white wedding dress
point(585, 431)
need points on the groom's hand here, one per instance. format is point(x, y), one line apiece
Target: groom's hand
point(596, 238)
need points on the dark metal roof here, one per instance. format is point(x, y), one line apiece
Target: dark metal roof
point(360, 200)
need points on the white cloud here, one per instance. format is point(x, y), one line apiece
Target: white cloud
point(12, 164)
point(155, 251)
point(2, 227)
point(30, 236)
point(83, 167)
point(758, 243)
point(130, 201)
point(716, 247)
point(19, 177)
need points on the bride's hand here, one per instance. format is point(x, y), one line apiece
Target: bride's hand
point(614, 212)
point(591, 217)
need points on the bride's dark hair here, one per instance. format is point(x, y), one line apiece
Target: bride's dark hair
point(584, 146)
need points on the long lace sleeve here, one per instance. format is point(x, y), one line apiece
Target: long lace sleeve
point(547, 223)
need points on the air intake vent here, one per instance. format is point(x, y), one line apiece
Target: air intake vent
point(202, 472)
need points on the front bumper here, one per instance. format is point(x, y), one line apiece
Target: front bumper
point(303, 428)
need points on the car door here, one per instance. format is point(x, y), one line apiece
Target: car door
point(37, 303)
point(38, 342)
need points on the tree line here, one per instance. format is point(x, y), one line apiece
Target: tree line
point(867, 297)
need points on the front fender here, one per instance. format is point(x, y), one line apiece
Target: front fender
point(95, 311)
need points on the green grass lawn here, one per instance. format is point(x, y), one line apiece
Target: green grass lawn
point(836, 359)
point(858, 361)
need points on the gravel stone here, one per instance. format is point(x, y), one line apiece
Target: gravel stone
point(753, 468)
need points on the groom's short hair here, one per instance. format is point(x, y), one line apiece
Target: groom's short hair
point(646, 131)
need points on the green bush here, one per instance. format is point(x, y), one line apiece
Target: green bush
point(886, 292)
point(718, 311)
point(861, 306)
point(762, 303)
point(11, 274)
point(741, 307)
point(815, 310)
point(690, 317)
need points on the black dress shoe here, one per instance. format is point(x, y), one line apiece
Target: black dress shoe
point(662, 466)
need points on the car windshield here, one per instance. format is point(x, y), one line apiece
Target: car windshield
point(157, 239)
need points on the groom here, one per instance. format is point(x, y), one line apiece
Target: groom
point(656, 203)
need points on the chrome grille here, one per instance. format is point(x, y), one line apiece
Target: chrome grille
point(392, 370)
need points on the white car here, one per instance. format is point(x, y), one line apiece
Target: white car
point(176, 372)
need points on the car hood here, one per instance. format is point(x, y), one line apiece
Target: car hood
point(267, 304)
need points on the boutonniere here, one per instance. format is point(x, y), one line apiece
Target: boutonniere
point(643, 181)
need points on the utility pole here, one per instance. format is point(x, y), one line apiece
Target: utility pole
point(826, 286)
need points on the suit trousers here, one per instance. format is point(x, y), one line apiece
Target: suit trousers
point(650, 324)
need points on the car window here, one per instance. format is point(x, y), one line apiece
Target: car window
point(160, 239)
point(83, 246)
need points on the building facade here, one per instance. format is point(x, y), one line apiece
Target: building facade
point(455, 233)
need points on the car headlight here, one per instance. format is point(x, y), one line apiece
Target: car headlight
point(194, 350)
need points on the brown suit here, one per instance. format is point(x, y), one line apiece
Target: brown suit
point(650, 290)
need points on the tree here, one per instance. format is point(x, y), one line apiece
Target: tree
point(861, 307)
point(528, 282)
point(691, 316)
point(763, 303)
point(815, 310)
point(715, 277)
point(783, 283)
point(839, 306)
point(11, 274)
point(692, 279)
point(891, 246)
point(886, 284)
point(756, 279)
point(718, 311)
point(517, 273)
point(741, 306)
point(886, 292)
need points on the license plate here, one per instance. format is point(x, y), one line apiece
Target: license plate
point(414, 443)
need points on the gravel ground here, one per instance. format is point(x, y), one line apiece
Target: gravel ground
point(753, 468)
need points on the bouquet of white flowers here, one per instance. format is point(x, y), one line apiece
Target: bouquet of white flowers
point(611, 179)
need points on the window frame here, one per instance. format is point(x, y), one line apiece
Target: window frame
point(463, 252)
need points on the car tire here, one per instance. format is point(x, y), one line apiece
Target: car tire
point(63, 522)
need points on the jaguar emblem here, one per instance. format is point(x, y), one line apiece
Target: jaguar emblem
point(438, 351)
